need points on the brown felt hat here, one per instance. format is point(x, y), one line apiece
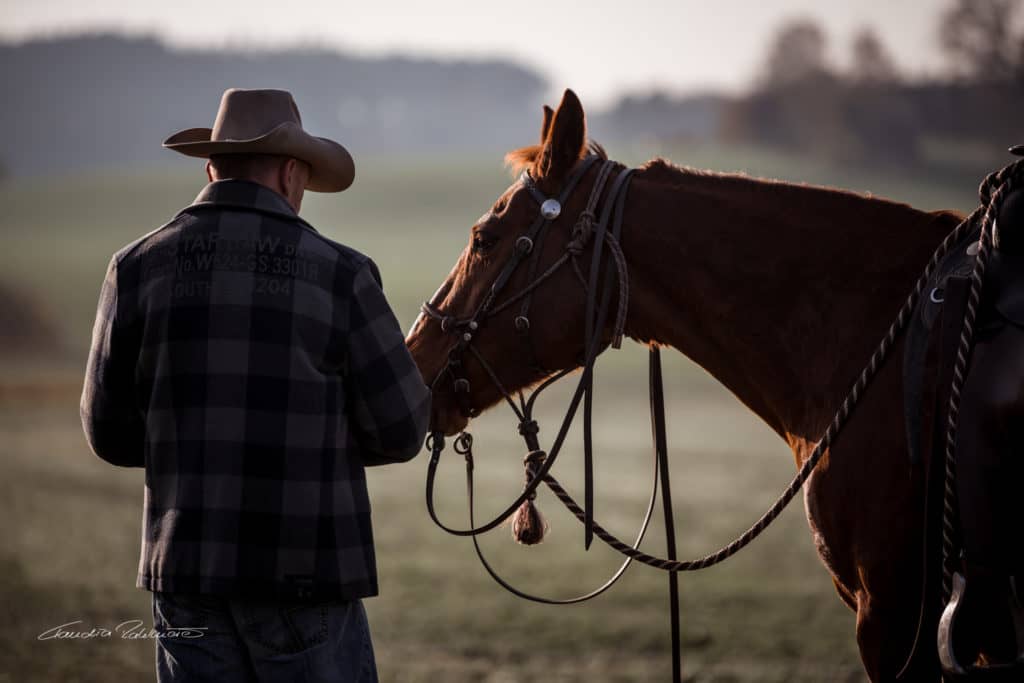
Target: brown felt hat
point(268, 122)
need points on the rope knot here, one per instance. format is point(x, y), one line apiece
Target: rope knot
point(581, 232)
point(528, 526)
point(529, 427)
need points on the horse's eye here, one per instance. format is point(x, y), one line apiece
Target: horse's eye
point(482, 242)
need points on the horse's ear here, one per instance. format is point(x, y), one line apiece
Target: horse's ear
point(545, 126)
point(566, 139)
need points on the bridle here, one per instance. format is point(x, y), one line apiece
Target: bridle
point(600, 222)
point(603, 229)
point(527, 248)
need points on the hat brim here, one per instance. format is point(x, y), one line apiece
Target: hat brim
point(331, 166)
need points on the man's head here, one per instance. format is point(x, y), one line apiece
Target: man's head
point(287, 176)
point(259, 135)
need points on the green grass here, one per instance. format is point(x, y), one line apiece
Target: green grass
point(70, 523)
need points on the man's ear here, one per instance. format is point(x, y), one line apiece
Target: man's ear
point(291, 178)
point(288, 175)
point(281, 177)
point(209, 171)
point(566, 139)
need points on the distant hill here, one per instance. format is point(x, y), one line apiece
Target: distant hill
point(105, 100)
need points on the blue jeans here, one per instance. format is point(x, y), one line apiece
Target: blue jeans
point(206, 638)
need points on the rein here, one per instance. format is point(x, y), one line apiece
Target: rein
point(605, 232)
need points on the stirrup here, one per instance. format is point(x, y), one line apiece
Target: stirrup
point(952, 669)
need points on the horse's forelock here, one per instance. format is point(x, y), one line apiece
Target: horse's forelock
point(519, 160)
point(525, 158)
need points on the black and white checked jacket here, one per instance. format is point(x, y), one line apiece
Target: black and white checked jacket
point(254, 368)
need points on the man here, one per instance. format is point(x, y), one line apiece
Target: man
point(253, 367)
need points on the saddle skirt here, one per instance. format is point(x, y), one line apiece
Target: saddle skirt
point(958, 263)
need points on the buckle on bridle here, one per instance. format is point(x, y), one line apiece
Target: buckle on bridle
point(524, 245)
point(463, 443)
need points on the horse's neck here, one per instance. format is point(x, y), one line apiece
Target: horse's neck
point(779, 291)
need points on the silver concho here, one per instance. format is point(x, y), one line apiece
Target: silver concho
point(550, 209)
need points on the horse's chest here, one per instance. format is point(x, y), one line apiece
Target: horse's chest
point(824, 542)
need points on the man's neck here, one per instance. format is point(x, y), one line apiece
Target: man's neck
point(271, 184)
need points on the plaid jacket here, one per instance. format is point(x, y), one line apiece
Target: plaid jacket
point(253, 367)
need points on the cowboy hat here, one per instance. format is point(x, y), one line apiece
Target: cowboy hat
point(268, 122)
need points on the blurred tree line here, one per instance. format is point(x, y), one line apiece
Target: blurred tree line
point(871, 112)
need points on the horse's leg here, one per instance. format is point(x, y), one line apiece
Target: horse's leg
point(885, 630)
point(886, 612)
point(870, 636)
point(865, 508)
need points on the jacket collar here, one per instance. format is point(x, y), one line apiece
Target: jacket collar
point(245, 194)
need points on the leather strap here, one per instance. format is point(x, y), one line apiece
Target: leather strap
point(657, 392)
point(592, 334)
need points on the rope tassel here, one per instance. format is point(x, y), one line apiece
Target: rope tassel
point(528, 525)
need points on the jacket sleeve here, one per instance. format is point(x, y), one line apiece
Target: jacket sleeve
point(390, 404)
point(112, 423)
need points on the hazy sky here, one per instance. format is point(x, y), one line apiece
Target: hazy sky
point(598, 47)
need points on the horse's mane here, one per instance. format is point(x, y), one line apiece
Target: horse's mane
point(660, 170)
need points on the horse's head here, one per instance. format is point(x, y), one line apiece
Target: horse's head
point(457, 348)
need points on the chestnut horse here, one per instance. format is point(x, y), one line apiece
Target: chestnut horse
point(780, 291)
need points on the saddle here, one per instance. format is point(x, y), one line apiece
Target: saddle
point(985, 475)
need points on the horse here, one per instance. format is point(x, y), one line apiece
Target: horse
point(779, 290)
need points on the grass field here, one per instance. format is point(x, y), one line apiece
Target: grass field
point(70, 523)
